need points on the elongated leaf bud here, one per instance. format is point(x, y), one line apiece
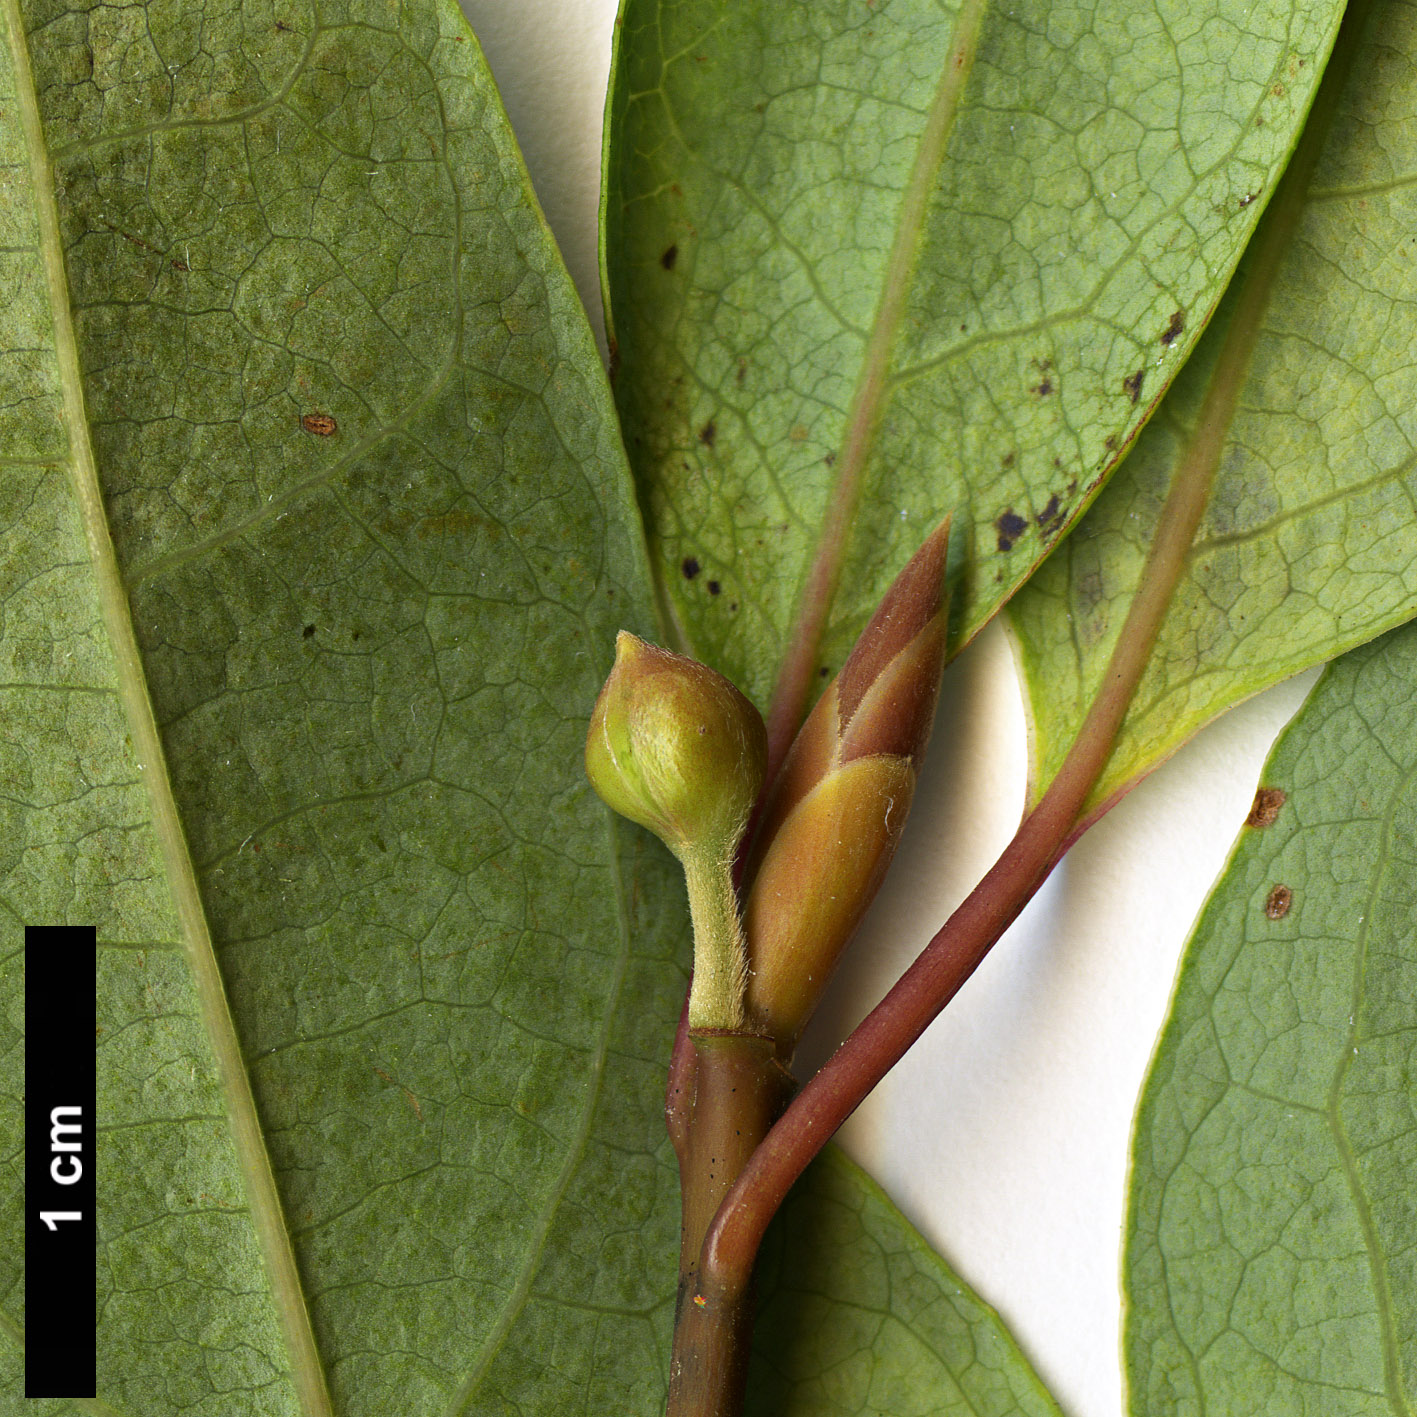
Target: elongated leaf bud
point(840, 805)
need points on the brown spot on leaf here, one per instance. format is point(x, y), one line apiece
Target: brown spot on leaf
point(668, 256)
point(690, 568)
point(322, 425)
point(1110, 442)
point(713, 587)
point(823, 672)
point(742, 370)
point(131, 239)
point(1265, 808)
point(180, 265)
point(1133, 382)
point(1248, 198)
point(1051, 512)
point(285, 28)
point(708, 433)
point(1043, 388)
point(1010, 527)
point(1009, 459)
point(1172, 331)
point(1277, 902)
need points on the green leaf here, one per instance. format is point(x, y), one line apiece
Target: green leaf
point(315, 531)
point(308, 334)
point(1269, 1263)
point(856, 284)
point(1309, 544)
point(860, 1316)
point(181, 1279)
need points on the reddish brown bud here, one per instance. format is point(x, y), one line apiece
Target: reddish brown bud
point(840, 804)
point(824, 867)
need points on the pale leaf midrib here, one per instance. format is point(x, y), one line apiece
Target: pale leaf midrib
point(266, 1212)
point(1372, 1245)
point(1198, 459)
point(872, 384)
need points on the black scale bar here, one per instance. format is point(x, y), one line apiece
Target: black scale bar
point(60, 1100)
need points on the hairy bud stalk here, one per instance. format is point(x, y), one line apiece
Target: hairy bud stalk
point(675, 747)
point(840, 804)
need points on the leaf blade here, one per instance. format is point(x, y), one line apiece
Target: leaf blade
point(84, 682)
point(1307, 546)
point(1269, 1207)
point(339, 386)
point(741, 146)
point(860, 1316)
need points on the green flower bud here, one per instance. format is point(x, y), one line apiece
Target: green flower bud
point(675, 747)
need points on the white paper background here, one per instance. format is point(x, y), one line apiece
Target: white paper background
point(1004, 1134)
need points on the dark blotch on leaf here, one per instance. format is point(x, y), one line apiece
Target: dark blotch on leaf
point(1265, 808)
point(1043, 388)
point(322, 425)
point(823, 671)
point(690, 568)
point(1010, 527)
point(670, 255)
point(1051, 512)
point(1173, 330)
point(708, 433)
point(1277, 903)
point(1132, 384)
point(713, 587)
point(308, 632)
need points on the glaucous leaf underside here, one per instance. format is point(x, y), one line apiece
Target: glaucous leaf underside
point(842, 287)
point(1269, 1261)
point(360, 468)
